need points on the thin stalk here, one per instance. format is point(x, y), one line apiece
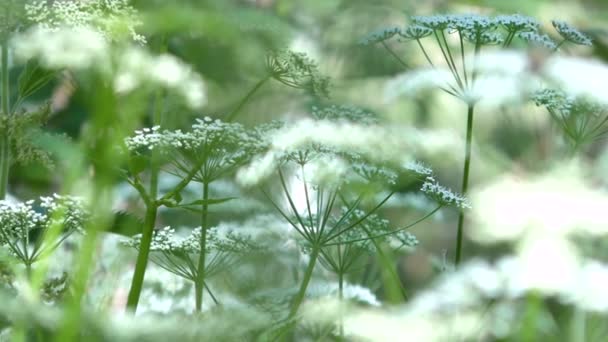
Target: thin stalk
point(401, 61)
point(341, 298)
point(447, 60)
point(5, 151)
point(142, 258)
point(200, 275)
point(232, 115)
point(465, 181)
point(464, 65)
point(305, 281)
point(451, 59)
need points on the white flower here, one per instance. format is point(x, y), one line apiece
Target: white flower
point(76, 48)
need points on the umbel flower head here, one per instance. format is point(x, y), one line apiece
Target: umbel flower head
point(19, 220)
point(178, 254)
point(581, 119)
point(297, 70)
point(213, 147)
point(84, 49)
point(571, 34)
point(114, 19)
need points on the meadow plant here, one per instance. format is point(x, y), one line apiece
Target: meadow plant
point(326, 251)
point(461, 80)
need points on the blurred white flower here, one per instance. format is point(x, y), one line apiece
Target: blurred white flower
point(579, 77)
point(75, 48)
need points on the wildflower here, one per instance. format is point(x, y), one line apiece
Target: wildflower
point(113, 19)
point(297, 70)
point(380, 35)
point(571, 34)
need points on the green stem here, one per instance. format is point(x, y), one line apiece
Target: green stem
point(465, 181)
point(401, 61)
point(305, 281)
point(341, 298)
point(151, 205)
point(232, 115)
point(142, 258)
point(5, 151)
point(200, 276)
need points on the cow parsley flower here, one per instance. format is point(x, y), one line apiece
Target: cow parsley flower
point(297, 70)
point(442, 194)
point(380, 35)
point(137, 68)
point(19, 220)
point(415, 32)
point(113, 19)
point(515, 23)
point(538, 39)
point(78, 48)
point(179, 254)
point(571, 34)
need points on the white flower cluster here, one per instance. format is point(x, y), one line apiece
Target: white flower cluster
point(415, 32)
point(297, 70)
point(219, 239)
point(17, 220)
point(137, 68)
point(345, 113)
point(376, 143)
point(380, 35)
point(221, 146)
point(481, 30)
point(129, 69)
point(206, 133)
point(356, 293)
point(113, 19)
point(442, 194)
point(77, 48)
point(538, 39)
point(571, 34)
point(517, 23)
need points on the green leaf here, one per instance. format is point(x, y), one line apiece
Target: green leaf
point(33, 78)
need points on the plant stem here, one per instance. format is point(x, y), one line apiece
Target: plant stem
point(341, 298)
point(5, 151)
point(142, 258)
point(200, 276)
point(305, 281)
point(465, 181)
point(401, 61)
point(151, 205)
point(232, 115)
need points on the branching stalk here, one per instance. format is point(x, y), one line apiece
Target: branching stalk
point(232, 115)
point(305, 281)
